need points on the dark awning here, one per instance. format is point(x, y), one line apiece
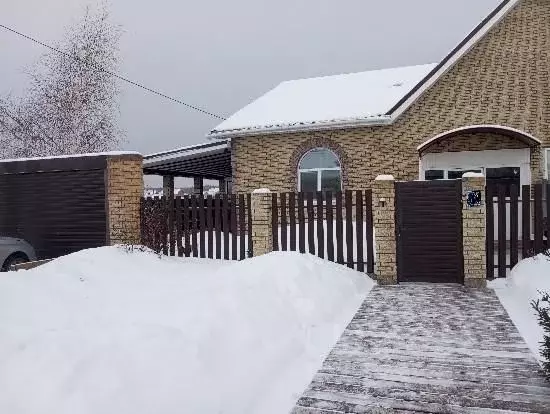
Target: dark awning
point(211, 161)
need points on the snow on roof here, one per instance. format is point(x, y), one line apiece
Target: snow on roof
point(340, 99)
point(90, 154)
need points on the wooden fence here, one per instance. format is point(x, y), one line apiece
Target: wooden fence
point(215, 227)
point(518, 225)
point(338, 227)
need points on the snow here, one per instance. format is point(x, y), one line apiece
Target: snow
point(92, 154)
point(385, 177)
point(107, 331)
point(518, 290)
point(261, 191)
point(472, 175)
point(327, 100)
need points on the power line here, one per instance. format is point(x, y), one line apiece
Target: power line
point(122, 78)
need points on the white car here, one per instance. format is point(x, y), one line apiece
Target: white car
point(14, 251)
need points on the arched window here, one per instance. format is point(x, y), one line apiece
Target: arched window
point(319, 170)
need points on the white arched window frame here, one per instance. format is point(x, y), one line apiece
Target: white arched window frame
point(319, 169)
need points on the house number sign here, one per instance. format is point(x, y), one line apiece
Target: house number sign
point(473, 198)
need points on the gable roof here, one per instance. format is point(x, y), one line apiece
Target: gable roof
point(327, 100)
point(352, 100)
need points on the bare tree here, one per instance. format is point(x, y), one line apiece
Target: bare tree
point(71, 105)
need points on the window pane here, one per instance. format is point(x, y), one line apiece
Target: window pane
point(319, 158)
point(308, 181)
point(331, 180)
point(504, 172)
point(435, 175)
point(456, 174)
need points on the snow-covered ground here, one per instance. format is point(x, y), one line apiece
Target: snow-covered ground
point(106, 331)
point(518, 290)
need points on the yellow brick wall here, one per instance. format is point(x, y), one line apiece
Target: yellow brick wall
point(503, 80)
point(124, 192)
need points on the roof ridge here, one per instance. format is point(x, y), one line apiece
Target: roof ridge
point(358, 73)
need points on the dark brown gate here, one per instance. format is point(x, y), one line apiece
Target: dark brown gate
point(429, 231)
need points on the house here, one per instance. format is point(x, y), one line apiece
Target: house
point(485, 107)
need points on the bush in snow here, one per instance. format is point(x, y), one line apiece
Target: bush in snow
point(153, 220)
point(542, 307)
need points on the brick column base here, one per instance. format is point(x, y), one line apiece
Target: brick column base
point(473, 232)
point(383, 201)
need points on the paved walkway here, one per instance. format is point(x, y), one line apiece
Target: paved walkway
point(429, 348)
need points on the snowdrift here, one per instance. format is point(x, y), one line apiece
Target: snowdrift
point(516, 293)
point(106, 331)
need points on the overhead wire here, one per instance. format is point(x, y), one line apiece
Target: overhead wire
point(115, 75)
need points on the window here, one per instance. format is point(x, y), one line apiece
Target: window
point(319, 170)
point(434, 175)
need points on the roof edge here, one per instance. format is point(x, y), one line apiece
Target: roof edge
point(319, 126)
point(453, 57)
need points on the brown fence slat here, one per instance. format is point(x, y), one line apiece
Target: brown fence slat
point(501, 191)
point(186, 229)
point(225, 222)
point(310, 223)
point(178, 227)
point(284, 241)
point(320, 226)
point(275, 221)
point(526, 220)
point(349, 228)
point(301, 224)
point(330, 228)
point(249, 225)
point(202, 227)
point(218, 225)
point(359, 229)
point(538, 217)
point(292, 220)
point(490, 231)
point(234, 253)
point(171, 229)
point(165, 214)
point(194, 226)
point(369, 231)
point(210, 226)
point(339, 229)
point(242, 228)
point(514, 225)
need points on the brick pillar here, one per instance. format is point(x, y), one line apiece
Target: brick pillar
point(124, 191)
point(383, 200)
point(198, 186)
point(262, 236)
point(168, 186)
point(473, 231)
point(222, 185)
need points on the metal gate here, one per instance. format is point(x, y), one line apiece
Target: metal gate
point(429, 231)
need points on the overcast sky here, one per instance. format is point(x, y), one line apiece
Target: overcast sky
point(222, 54)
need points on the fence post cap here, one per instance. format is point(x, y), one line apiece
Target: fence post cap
point(385, 177)
point(472, 175)
point(262, 191)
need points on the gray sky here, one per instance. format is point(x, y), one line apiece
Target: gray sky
point(222, 54)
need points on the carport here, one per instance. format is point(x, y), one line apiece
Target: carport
point(210, 161)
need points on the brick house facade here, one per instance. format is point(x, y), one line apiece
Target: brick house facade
point(489, 96)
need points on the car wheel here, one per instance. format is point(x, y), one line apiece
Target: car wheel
point(14, 259)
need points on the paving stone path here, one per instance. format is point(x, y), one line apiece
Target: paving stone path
point(431, 349)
